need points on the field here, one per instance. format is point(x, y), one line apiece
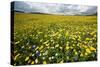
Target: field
point(46, 39)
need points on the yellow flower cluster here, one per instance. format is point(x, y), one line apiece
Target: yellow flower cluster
point(45, 39)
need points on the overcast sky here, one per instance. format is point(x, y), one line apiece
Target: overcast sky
point(54, 8)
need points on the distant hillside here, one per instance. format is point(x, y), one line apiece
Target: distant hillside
point(80, 14)
point(95, 14)
point(30, 12)
point(19, 11)
point(37, 13)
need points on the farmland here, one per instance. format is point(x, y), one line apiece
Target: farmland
point(46, 39)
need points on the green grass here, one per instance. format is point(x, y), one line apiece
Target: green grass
point(46, 39)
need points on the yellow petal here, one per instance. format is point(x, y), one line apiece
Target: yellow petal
point(67, 47)
point(88, 50)
point(44, 62)
point(41, 47)
point(87, 39)
point(86, 53)
point(47, 44)
point(76, 53)
point(57, 45)
point(26, 59)
point(81, 54)
point(66, 34)
point(92, 48)
point(32, 62)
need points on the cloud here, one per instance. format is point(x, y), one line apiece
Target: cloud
point(54, 8)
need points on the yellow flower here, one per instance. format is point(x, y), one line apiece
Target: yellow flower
point(52, 47)
point(51, 40)
point(41, 40)
point(67, 47)
point(31, 35)
point(95, 35)
point(39, 32)
point(73, 38)
point(92, 48)
point(41, 50)
point(85, 46)
point(78, 44)
point(60, 30)
point(54, 34)
point(76, 53)
point(85, 42)
point(46, 52)
point(92, 33)
point(57, 45)
point(81, 54)
point(88, 50)
point(32, 62)
point(79, 39)
point(29, 47)
point(36, 48)
point(67, 58)
point(26, 59)
point(86, 53)
point(16, 56)
point(44, 62)
point(87, 39)
point(83, 33)
point(47, 44)
point(61, 48)
point(71, 47)
point(45, 36)
point(61, 61)
point(66, 34)
point(17, 42)
point(73, 44)
point(41, 47)
point(59, 35)
point(48, 47)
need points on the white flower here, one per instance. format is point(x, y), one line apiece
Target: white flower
point(36, 61)
point(43, 58)
point(43, 53)
point(40, 54)
point(32, 54)
point(52, 47)
point(52, 57)
point(46, 53)
point(37, 51)
point(22, 46)
point(56, 54)
point(49, 58)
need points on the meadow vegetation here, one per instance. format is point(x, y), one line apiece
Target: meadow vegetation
point(46, 39)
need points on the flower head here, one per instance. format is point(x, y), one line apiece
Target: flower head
point(44, 62)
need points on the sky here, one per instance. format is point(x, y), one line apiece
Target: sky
point(54, 8)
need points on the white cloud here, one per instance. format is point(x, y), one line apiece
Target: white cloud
point(51, 8)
